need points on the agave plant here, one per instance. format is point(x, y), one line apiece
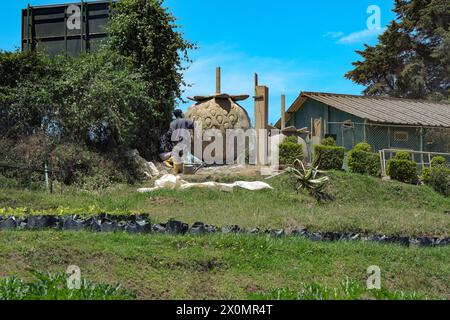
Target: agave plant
point(307, 179)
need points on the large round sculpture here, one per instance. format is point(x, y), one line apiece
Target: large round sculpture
point(219, 111)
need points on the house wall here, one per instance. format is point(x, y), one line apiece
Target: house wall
point(379, 136)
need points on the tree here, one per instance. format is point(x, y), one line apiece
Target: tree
point(145, 32)
point(412, 58)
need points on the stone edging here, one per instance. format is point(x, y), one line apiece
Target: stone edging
point(142, 224)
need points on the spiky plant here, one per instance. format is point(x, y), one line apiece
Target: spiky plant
point(307, 179)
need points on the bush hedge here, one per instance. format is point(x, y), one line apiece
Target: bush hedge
point(329, 157)
point(290, 151)
point(401, 168)
point(439, 179)
point(329, 142)
point(438, 175)
point(362, 160)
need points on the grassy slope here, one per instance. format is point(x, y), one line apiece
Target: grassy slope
point(175, 267)
point(362, 203)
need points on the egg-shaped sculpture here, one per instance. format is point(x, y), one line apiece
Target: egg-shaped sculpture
point(220, 111)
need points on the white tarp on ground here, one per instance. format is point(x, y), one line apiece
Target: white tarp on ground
point(170, 181)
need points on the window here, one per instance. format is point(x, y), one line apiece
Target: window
point(401, 136)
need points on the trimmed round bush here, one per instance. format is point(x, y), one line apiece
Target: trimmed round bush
point(435, 162)
point(329, 142)
point(403, 155)
point(363, 146)
point(364, 162)
point(290, 151)
point(329, 157)
point(439, 179)
point(438, 161)
point(402, 170)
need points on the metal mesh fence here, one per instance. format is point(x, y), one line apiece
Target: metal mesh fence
point(380, 136)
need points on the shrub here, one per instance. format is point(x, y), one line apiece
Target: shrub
point(437, 161)
point(363, 146)
point(439, 179)
point(438, 175)
point(83, 168)
point(290, 151)
point(329, 157)
point(329, 142)
point(364, 162)
point(401, 169)
point(403, 155)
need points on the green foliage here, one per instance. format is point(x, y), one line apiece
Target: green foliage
point(120, 97)
point(363, 146)
point(435, 162)
point(27, 95)
point(328, 157)
point(145, 33)
point(71, 164)
point(403, 155)
point(329, 142)
point(402, 170)
point(348, 290)
point(411, 59)
point(83, 168)
point(438, 161)
point(307, 179)
point(290, 151)
point(54, 287)
point(438, 177)
point(364, 162)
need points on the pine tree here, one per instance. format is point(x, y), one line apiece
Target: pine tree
point(412, 58)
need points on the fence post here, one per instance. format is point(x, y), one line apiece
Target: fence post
point(421, 147)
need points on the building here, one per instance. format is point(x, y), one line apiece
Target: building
point(71, 29)
point(383, 122)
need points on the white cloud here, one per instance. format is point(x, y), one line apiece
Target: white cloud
point(334, 34)
point(360, 36)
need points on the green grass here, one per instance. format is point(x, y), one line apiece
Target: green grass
point(363, 204)
point(226, 266)
point(54, 287)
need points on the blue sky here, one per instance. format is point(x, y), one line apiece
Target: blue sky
point(294, 45)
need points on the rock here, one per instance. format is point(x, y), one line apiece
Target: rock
point(198, 228)
point(231, 229)
point(74, 223)
point(277, 233)
point(254, 231)
point(41, 222)
point(159, 228)
point(317, 236)
point(139, 226)
point(176, 227)
point(302, 233)
point(8, 223)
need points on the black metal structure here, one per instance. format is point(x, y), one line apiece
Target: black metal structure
point(70, 29)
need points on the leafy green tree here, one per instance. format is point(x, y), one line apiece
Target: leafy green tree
point(100, 100)
point(26, 97)
point(412, 58)
point(146, 33)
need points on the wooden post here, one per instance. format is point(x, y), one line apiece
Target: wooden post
point(218, 89)
point(283, 112)
point(261, 121)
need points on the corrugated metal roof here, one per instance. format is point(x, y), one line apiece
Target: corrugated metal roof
point(383, 109)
